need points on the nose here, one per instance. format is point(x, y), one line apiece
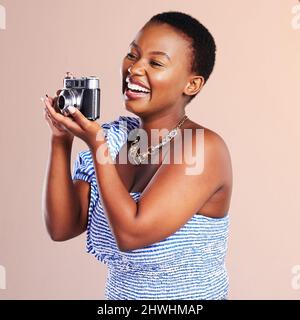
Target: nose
point(136, 68)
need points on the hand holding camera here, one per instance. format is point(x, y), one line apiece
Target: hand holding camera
point(74, 109)
point(57, 130)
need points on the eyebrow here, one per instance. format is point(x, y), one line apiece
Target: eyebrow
point(153, 52)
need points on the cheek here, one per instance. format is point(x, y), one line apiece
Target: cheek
point(125, 65)
point(166, 84)
point(161, 80)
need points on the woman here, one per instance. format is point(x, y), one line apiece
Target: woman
point(159, 224)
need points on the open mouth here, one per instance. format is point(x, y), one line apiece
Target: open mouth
point(135, 91)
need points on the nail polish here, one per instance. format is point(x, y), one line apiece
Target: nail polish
point(71, 109)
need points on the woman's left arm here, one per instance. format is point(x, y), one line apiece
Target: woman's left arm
point(172, 197)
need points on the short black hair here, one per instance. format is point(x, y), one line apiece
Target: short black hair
point(202, 42)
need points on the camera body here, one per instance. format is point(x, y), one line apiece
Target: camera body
point(83, 93)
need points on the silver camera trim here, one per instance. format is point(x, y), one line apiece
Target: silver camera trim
point(90, 82)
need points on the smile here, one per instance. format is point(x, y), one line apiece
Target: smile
point(135, 91)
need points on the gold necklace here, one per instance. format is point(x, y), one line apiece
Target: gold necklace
point(138, 158)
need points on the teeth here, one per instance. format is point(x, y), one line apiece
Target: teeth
point(134, 86)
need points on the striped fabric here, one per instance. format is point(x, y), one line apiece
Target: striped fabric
point(189, 264)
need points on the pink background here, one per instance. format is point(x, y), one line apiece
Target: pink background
point(251, 100)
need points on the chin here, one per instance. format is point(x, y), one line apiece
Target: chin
point(138, 110)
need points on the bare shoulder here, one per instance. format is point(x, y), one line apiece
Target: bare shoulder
point(211, 137)
point(211, 146)
point(217, 146)
point(213, 141)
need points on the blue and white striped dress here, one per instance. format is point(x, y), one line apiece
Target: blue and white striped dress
point(189, 264)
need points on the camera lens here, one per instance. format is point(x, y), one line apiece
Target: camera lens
point(68, 98)
point(61, 102)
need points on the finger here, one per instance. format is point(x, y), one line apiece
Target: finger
point(48, 117)
point(67, 122)
point(79, 117)
point(43, 100)
point(49, 121)
point(54, 104)
point(49, 103)
point(52, 100)
point(52, 124)
point(59, 127)
point(55, 123)
point(49, 98)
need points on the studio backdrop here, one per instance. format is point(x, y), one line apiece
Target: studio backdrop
point(251, 100)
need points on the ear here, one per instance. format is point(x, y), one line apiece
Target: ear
point(194, 85)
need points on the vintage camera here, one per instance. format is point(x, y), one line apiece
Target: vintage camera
point(83, 93)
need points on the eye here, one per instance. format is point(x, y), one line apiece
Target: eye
point(130, 56)
point(154, 63)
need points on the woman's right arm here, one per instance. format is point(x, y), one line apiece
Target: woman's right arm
point(65, 202)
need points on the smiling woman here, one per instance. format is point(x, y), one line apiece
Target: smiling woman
point(160, 227)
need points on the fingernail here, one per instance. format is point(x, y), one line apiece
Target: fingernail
point(71, 109)
point(47, 95)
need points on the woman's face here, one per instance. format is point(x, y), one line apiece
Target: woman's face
point(158, 58)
